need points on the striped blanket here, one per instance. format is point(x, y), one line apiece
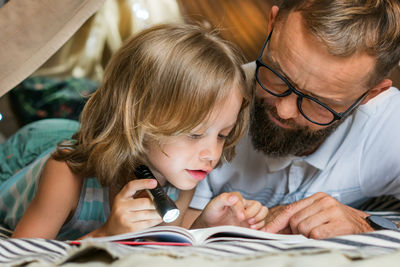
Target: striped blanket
point(42, 251)
point(351, 248)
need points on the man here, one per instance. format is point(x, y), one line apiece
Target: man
point(324, 130)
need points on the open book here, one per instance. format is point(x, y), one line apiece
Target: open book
point(174, 235)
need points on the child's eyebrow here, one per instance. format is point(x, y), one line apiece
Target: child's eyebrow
point(230, 126)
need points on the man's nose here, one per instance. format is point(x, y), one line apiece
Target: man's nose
point(286, 107)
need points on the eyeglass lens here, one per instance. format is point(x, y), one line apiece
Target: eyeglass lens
point(309, 108)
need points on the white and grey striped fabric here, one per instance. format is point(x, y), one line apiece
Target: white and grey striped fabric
point(15, 251)
point(23, 251)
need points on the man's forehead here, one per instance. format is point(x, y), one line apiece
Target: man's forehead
point(306, 61)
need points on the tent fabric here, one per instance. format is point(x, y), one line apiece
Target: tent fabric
point(32, 31)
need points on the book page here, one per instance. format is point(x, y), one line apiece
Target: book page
point(174, 234)
point(229, 232)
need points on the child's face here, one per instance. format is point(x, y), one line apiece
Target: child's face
point(185, 160)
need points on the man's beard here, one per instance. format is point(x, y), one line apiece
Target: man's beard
point(276, 141)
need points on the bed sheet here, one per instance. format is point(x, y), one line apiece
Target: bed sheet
point(369, 249)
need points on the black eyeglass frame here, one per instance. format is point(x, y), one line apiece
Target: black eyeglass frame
point(300, 95)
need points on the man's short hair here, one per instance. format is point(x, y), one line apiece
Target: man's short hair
point(350, 27)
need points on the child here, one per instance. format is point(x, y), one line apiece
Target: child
point(173, 98)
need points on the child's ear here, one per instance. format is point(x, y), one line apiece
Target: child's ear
point(381, 87)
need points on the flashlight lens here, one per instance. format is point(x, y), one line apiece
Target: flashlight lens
point(171, 215)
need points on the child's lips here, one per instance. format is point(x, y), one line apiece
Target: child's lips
point(199, 175)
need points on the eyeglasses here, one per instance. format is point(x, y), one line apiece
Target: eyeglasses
point(311, 108)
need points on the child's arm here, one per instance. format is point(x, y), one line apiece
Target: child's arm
point(58, 195)
point(55, 200)
point(232, 209)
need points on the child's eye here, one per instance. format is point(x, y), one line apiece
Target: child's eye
point(195, 136)
point(221, 136)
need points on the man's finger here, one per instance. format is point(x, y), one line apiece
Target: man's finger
point(313, 215)
point(282, 217)
point(307, 223)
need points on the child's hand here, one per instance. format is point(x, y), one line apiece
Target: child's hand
point(232, 209)
point(255, 214)
point(129, 214)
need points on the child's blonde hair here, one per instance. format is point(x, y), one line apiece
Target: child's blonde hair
point(162, 82)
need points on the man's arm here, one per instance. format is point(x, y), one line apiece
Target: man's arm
point(318, 216)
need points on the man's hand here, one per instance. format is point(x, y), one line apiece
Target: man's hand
point(318, 216)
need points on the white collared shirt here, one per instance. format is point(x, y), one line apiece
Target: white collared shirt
point(359, 160)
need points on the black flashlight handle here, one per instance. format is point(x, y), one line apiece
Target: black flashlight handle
point(162, 201)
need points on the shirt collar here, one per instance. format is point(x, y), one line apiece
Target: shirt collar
point(276, 164)
point(321, 157)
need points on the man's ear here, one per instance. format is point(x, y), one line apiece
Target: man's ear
point(272, 16)
point(381, 87)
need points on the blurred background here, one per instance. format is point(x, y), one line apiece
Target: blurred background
point(59, 87)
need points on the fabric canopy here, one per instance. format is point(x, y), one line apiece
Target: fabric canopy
point(32, 31)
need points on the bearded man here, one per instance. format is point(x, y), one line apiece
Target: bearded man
point(324, 129)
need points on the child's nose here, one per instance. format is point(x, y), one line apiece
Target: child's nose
point(211, 152)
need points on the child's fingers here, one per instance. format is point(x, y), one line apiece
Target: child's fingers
point(140, 225)
point(143, 215)
point(261, 215)
point(135, 185)
point(233, 200)
point(224, 200)
point(237, 206)
point(138, 204)
point(252, 208)
point(258, 226)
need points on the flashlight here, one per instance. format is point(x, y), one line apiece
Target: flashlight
point(164, 204)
